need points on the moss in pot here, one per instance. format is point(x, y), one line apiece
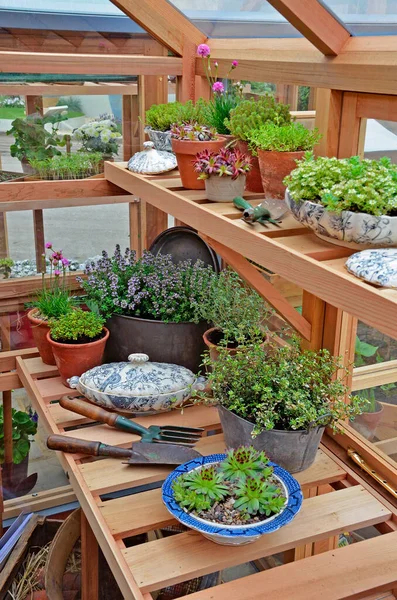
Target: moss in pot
point(78, 341)
point(279, 399)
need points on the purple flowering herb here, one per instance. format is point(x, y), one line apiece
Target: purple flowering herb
point(218, 87)
point(203, 50)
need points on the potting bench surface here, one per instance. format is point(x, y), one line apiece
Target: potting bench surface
point(336, 501)
point(291, 250)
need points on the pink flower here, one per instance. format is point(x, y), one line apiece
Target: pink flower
point(65, 262)
point(218, 87)
point(57, 273)
point(48, 245)
point(234, 64)
point(203, 50)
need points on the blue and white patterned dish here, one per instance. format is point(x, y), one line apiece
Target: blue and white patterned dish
point(233, 535)
point(138, 386)
point(160, 139)
point(350, 229)
point(375, 266)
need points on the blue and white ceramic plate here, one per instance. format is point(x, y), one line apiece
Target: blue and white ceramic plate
point(375, 266)
point(234, 535)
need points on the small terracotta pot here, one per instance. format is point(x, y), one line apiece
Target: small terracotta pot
point(367, 422)
point(40, 330)
point(274, 166)
point(75, 359)
point(224, 189)
point(254, 179)
point(185, 151)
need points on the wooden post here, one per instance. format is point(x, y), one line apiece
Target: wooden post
point(127, 127)
point(89, 561)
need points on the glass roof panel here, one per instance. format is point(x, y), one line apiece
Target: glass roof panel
point(366, 17)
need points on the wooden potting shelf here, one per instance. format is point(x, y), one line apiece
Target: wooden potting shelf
point(336, 501)
point(291, 250)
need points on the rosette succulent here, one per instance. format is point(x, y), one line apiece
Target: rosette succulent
point(193, 132)
point(231, 163)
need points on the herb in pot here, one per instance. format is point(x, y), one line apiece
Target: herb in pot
point(24, 425)
point(251, 114)
point(31, 138)
point(226, 162)
point(160, 117)
point(69, 166)
point(291, 137)
point(193, 132)
point(77, 327)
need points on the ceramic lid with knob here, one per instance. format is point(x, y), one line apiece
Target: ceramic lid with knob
point(151, 161)
point(138, 377)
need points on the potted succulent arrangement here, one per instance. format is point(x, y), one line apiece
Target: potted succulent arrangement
point(77, 165)
point(232, 498)
point(278, 149)
point(33, 140)
point(188, 139)
point(251, 115)
point(52, 301)
point(160, 117)
point(350, 201)
point(278, 399)
point(151, 305)
point(224, 173)
point(100, 135)
point(78, 339)
point(237, 313)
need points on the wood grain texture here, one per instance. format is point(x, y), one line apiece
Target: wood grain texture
point(315, 22)
point(193, 555)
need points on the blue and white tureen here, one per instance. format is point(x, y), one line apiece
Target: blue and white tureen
point(138, 386)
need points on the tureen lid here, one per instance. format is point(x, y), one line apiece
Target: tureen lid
point(138, 377)
point(151, 161)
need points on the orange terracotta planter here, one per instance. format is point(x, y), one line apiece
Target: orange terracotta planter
point(185, 151)
point(75, 359)
point(40, 330)
point(274, 166)
point(254, 179)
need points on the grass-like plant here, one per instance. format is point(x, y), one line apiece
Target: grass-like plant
point(77, 326)
point(240, 489)
point(69, 166)
point(160, 117)
point(252, 114)
point(355, 184)
point(292, 137)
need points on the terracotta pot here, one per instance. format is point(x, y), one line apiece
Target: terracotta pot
point(254, 180)
point(75, 359)
point(367, 422)
point(274, 166)
point(224, 189)
point(185, 151)
point(40, 330)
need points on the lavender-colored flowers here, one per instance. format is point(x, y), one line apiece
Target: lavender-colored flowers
point(203, 50)
point(151, 287)
point(218, 87)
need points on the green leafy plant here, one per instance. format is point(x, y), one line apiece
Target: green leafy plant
point(219, 110)
point(160, 117)
point(283, 388)
point(193, 132)
point(239, 489)
point(291, 137)
point(363, 351)
point(73, 103)
point(69, 166)
point(252, 114)
point(24, 425)
point(77, 326)
point(355, 184)
point(53, 299)
point(32, 140)
point(234, 308)
point(6, 265)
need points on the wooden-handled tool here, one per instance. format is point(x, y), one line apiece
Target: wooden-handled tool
point(168, 434)
point(77, 446)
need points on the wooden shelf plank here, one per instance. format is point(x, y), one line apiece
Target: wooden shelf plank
point(38, 369)
point(347, 573)
point(180, 557)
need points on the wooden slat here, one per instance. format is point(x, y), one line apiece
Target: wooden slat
point(347, 573)
point(38, 369)
point(64, 89)
point(187, 555)
point(374, 375)
point(95, 64)
point(142, 512)
point(314, 21)
point(39, 501)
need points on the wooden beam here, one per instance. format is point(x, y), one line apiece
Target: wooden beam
point(364, 64)
point(69, 89)
point(315, 22)
point(95, 64)
point(163, 21)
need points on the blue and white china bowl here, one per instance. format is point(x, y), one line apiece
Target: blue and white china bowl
point(350, 229)
point(160, 139)
point(378, 267)
point(233, 535)
point(138, 387)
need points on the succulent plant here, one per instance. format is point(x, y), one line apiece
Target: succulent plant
point(252, 114)
point(226, 162)
point(208, 482)
point(193, 132)
point(257, 495)
point(245, 462)
point(292, 137)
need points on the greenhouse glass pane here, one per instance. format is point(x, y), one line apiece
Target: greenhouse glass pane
point(366, 17)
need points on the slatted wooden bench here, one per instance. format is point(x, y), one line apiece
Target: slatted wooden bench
point(335, 502)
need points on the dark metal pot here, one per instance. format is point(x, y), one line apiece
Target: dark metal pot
point(293, 450)
point(175, 343)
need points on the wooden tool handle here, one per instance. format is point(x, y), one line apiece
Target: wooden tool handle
point(77, 446)
point(96, 413)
